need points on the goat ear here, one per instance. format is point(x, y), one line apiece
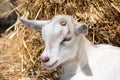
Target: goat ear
point(81, 29)
point(34, 24)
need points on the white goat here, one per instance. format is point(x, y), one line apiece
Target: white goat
point(66, 44)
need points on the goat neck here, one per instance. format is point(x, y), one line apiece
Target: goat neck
point(78, 64)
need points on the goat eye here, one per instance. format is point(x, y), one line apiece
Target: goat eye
point(66, 40)
point(63, 23)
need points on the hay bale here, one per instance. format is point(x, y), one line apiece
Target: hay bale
point(102, 16)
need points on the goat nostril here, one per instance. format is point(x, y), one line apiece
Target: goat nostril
point(46, 59)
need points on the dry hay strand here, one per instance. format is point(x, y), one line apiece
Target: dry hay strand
point(23, 46)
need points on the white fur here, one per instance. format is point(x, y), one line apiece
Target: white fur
point(80, 59)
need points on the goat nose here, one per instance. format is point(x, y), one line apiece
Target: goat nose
point(46, 59)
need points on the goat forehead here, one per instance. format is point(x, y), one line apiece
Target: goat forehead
point(60, 18)
point(54, 29)
point(51, 33)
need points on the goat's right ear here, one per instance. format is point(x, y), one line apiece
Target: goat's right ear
point(34, 24)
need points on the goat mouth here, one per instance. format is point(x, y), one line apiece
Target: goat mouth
point(52, 65)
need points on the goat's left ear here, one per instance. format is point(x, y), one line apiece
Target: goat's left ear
point(81, 29)
point(34, 24)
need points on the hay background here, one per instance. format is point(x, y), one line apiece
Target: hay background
point(20, 49)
